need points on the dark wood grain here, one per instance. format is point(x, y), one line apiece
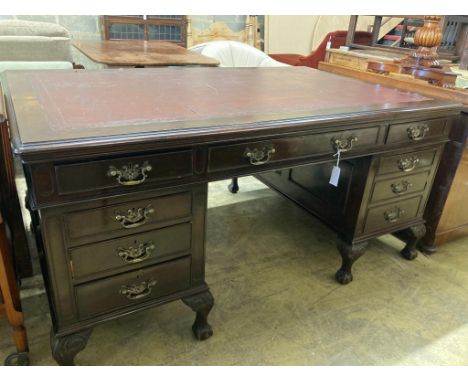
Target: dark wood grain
point(141, 53)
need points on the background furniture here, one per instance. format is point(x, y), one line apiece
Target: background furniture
point(10, 304)
point(139, 53)
point(235, 54)
point(453, 34)
point(170, 28)
point(34, 41)
point(219, 31)
point(143, 186)
point(312, 60)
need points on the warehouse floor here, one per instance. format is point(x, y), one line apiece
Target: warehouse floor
point(271, 270)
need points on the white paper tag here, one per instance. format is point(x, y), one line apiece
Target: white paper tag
point(335, 176)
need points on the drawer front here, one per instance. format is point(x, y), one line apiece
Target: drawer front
point(132, 251)
point(392, 214)
point(128, 172)
point(275, 150)
point(407, 163)
point(125, 218)
point(396, 187)
point(131, 288)
point(417, 131)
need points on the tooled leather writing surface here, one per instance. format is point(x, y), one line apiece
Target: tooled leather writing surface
point(72, 105)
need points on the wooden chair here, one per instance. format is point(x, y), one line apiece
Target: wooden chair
point(11, 305)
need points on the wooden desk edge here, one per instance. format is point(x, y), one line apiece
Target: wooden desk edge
point(400, 83)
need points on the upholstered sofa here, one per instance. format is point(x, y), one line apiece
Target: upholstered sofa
point(34, 45)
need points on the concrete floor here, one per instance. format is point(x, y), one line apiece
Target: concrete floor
point(270, 267)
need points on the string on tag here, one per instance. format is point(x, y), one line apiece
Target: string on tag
point(337, 155)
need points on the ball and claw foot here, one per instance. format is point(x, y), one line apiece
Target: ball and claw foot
point(202, 330)
point(201, 304)
point(343, 277)
point(18, 359)
point(409, 254)
point(233, 186)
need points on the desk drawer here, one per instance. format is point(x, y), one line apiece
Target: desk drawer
point(417, 131)
point(392, 214)
point(131, 288)
point(126, 253)
point(396, 187)
point(407, 163)
point(128, 172)
point(280, 149)
point(127, 218)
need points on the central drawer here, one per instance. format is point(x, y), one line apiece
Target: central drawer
point(260, 152)
point(126, 218)
point(129, 252)
point(113, 293)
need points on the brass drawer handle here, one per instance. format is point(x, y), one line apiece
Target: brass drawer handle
point(408, 164)
point(418, 132)
point(137, 291)
point(130, 174)
point(135, 217)
point(394, 215)
point(132, 255)
point(258, 157)
point(343, 145)
point(401, 187)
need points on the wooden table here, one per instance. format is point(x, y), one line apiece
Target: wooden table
point(118, 163)
point(139, 53)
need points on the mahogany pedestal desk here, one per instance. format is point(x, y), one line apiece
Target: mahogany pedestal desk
point(117, 166)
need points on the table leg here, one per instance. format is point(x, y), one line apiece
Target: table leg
point(411, 236)
point(349, 252)
point(65, 348)
point(201, 304)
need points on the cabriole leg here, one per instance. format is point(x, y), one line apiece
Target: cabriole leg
point(65, 348)
point(201, 304)
point(412, 236)
point(349, 254)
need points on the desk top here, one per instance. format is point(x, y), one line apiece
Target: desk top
point(53, 110)
point(141, 53)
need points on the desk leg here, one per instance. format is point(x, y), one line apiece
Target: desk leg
point(234, 185)
point(349, 254)
point(65, 348)
point(201, 304)
point(411, 237)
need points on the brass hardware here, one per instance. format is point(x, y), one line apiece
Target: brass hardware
point(408, 164)
point(259, 156)
point(130, 174)
point(394, 215)
point(132, 255)
point(135, 217)
point(418, 132)
point(343, 145)
point(137, 291)
point(401, 187)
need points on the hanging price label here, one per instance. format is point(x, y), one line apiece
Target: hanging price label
point(335, 174)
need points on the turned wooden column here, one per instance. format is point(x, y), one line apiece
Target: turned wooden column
point(427, 38)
